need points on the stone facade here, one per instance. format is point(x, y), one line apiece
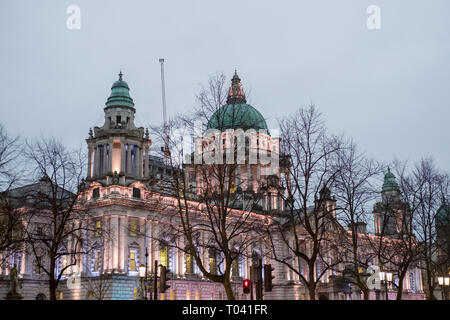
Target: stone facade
point(123, 204)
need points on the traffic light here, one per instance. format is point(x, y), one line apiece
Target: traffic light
point(162, 280)
point(268, 277)
point(256, 278)
point(246, 286)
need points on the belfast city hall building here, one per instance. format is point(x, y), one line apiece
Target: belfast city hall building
point(129, 196)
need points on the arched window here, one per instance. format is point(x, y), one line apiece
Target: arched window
point(212, 256)
point(167, 256)
point(133, 261)
point(40, 296)
point(189, 263)
point(164, 254)
point(96, 262)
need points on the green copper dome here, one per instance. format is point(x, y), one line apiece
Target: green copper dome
point(234, 116)
point(237, 113)
point(120, 94)
point(390, 183)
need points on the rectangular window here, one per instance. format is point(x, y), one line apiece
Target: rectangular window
point(98, 227)
point(133, 227)
point(132, 260)
point(189, 263)
point(163, 255)
point(96, 267)
point(136, 193)
point(64, 264)
point(212, 265)
point(235, 268)
point(96, 193)
point(118, 119)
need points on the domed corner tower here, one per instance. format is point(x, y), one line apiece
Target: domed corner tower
point(390, 214)
point(258, 170)
point(443, 233)
point(118, 151)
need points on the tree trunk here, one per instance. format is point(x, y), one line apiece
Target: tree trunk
point(400, 289)
point(365, 293)
point(228, 289)
point(52, 289)
point(312, 291)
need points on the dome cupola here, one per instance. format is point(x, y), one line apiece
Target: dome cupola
point(237, 113)
point(120, 94)
point(390, 182)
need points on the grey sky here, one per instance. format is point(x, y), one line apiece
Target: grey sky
point(388, 88)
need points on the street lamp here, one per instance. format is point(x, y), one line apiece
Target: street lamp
point(444, 282)
point(386, 278)
point(142, 278)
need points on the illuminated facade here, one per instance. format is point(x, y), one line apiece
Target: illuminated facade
point(124, 203)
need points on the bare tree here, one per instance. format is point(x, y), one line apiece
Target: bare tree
point(425, 189)
point(213, 213)
point(56, 222)
point(308, 228)
point(11, 237)
point(354, 190)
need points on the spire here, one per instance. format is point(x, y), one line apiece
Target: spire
point(236, 93)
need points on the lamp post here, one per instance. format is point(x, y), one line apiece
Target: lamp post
point(386, 278)
point(142, 274)
point(444, 282)
point(143, 277)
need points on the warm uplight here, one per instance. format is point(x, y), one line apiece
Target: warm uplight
point(389, 276)
point(142, 271)
point(382, 275)
point(447, 281)
point(441, 280)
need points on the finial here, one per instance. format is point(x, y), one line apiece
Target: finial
point(120, 75)
point(389, 169)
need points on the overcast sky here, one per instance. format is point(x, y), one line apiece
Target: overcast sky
point(388, 88)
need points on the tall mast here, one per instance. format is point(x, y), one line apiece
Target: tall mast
point(166, 134)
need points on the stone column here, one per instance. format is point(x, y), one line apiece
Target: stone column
point(104, 159)
point(110, 169)
point(123, 248)
point(96, 161)
point(146, 149)
point(107, 244)
point(148, 244)
point(155, 231)
point(129, 160)
point(122, 157)
point(89, 161)
point(115, 239)
point(280, 270)
point(22, 262)
point(139, 162)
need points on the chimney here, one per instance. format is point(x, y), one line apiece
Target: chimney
point(360, 227)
